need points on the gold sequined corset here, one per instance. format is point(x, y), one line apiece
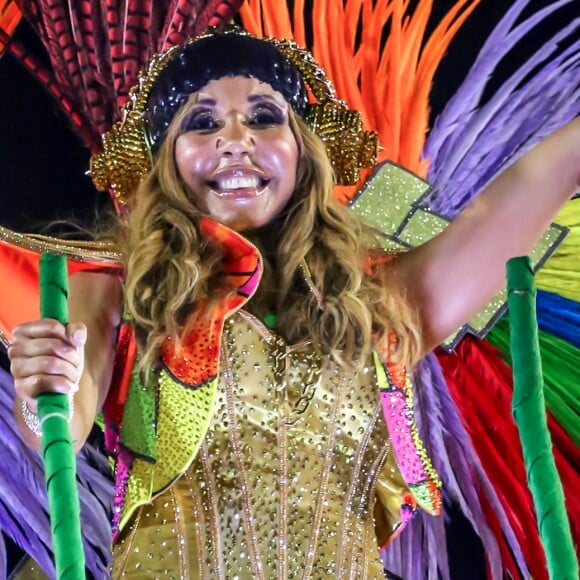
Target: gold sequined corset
point(285, 482)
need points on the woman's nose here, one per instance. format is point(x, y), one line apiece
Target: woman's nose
point(235, 138)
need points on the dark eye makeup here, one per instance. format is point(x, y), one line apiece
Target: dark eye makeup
point(202, 120)
point(262, 114)
point(266, 114)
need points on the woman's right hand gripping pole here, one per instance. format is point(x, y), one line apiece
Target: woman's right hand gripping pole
point(77, 359)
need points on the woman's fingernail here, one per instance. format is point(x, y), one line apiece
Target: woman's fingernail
point(79, 335)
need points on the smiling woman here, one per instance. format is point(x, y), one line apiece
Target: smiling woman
point(263, 426)
point(236, 152)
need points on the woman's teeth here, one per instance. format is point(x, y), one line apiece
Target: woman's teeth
point(233, 183)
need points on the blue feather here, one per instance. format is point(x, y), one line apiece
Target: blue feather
point(559, 316)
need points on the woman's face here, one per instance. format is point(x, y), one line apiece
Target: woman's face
point(237, 153)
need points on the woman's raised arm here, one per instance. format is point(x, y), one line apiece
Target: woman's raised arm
point(46, 356)
point(454, 275)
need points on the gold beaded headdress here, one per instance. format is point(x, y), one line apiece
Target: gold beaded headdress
point(129, 147)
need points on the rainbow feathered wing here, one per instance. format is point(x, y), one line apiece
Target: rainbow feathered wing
point(463, 396)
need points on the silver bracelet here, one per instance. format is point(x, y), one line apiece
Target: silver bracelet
point(32, 421)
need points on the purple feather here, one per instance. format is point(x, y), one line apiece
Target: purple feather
point(466, 139)
point(22, 512)
point(420, 551)
point(23, 503)
point(3, 560)
point(468, 146)
point(504, 124)
point(469, 94)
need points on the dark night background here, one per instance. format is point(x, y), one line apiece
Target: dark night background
point(43, 163)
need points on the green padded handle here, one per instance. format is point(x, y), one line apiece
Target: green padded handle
point(529, 412)
point(57, 448)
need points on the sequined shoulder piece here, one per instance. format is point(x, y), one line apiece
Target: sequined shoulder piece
point(182, 421)
point(396, 391)
point(395, 203)
point(164, 424)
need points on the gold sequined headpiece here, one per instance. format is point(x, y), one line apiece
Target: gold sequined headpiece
point(132, 143)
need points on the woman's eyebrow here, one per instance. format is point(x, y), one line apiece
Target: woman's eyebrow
point(257, 97)
point(206, 101)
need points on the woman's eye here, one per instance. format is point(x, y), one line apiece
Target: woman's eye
point(266, 116)
point(201, 121)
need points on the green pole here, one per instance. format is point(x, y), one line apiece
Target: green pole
point(57, 449)
point(529, 412)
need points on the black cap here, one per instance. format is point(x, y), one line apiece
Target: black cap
point(213, 57)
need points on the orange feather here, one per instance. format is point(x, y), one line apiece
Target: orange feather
point(10, 16)
point(388, 81)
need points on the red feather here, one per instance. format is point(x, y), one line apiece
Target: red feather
point(225, 12)
point(136, 47)
point(46, 28)
point(485, 403)
point(95, 102)
point(187, 18)
point(97, 50)
point(115, 35)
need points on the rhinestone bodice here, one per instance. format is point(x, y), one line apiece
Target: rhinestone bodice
point(284, 484)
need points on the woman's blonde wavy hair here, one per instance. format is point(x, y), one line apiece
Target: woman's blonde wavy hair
point(171, 268)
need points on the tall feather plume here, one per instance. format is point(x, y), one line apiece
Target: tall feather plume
point(146, 36)
point(106, 98)
point(388, 81)
point(75, 50)
point(501, 40)
point(191, 17)
point(114, 18)
point(96, 50)
point(68, 51)
point(538, 98)
point(97, 97)
point(43, 19)
point(135, 39)
point(47, 78)
point(72, 64)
